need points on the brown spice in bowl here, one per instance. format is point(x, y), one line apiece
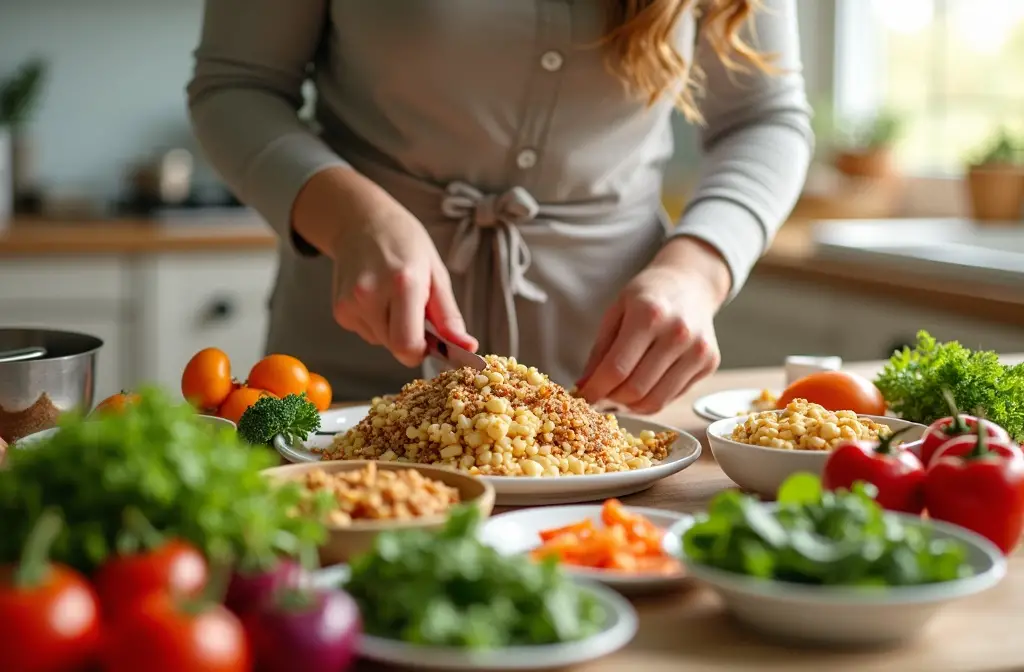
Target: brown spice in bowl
point(40, 415)
point(377, 494)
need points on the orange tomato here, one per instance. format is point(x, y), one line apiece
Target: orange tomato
point(279, 374)
point(319, 392)
point(239, 401)
point(206, 380)
point(836, 391)
point(116, 403)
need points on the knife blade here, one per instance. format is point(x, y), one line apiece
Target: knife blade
point(450, 354)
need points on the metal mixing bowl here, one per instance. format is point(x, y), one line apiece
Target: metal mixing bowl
point(44, 373)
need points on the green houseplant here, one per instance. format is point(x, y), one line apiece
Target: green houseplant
point(995, 178)
point(20, 94)
point(864, 149)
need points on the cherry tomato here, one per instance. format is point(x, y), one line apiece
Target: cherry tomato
point(206, 380)
point(238, 401)
point(174, 568)
point(49, 615)
point(162, 634)
point(319, 392)
point(116, 403)
point(280, 374)
point(836, 391)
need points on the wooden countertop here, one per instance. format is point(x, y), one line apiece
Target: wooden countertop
point(791, 257)
point(690, 631)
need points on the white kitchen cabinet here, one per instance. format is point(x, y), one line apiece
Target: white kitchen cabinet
point(773, 318)
point(193, 301)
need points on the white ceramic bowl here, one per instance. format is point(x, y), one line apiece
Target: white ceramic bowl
point(762, 470)
point(846, 616)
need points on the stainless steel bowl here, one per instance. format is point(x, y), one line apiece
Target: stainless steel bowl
point(44, 373)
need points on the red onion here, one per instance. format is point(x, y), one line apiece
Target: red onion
point(305, 631)
point(247, 590)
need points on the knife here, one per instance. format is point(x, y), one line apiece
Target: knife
point(450, 354)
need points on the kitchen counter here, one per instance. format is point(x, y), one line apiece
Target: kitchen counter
point(689, 630)
point(791, 257)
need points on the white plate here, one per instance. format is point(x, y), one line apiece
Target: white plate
point(848, 616)
point(526, 491)
point(32, 439)
point(728, 403)
point(518, 532)
point(617, 632)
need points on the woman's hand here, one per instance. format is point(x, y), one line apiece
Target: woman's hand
point(658, 338)
point(388, 276)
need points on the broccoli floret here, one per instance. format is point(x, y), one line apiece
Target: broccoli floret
point(294, 417)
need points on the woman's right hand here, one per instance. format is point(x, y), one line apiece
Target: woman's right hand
point(388, 276)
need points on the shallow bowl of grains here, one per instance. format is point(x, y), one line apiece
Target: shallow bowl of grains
point(367, 497)
point(760, 451)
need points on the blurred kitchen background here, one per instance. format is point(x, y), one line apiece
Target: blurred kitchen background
point(912, 217)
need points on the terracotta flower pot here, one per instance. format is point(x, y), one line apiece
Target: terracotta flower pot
point(874, 163)
point(996, 192)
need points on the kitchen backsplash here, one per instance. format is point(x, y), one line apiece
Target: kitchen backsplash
point(118, 71)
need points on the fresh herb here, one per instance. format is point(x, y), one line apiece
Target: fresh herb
point(20, 93)
point(914, 380)
point(187, 480)
point(821, 537)
point(446, 588)
point(294, 417)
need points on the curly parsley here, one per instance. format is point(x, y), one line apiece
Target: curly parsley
point(913, 380)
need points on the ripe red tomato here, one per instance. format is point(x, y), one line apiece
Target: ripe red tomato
point(49, 615)
point(163, 635)
point(174, 568)
point(319, 392)
point(206, 380)
point(836, 391)
point(943, 431)
point(279, 374)
point(238, 402)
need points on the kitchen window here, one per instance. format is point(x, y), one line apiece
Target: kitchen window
point(953, 70)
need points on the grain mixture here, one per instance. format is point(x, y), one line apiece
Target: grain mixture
point(379, 494)
point(806, 426)
point(508, 420)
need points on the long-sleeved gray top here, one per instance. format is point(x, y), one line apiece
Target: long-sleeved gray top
point(534, 170)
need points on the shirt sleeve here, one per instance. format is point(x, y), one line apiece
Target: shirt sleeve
point(757, 144)
point(244, 97)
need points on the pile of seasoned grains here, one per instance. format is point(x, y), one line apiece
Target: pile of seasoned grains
point(508, 420)
point(381, 494)
point(806, 426)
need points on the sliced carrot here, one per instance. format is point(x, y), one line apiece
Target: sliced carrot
point(582, 526)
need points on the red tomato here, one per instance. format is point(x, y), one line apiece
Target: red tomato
point(49, 615)
point(836, 391)
point(206, 380)
point(896, 473)
point(164, 635)
point(946, 429)
point(174, 568)
point(979, 487)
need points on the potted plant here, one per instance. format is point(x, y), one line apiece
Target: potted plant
point(995, 179)
point(19, 96)
point(865, 148)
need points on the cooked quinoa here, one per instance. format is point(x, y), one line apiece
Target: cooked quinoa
point(508, 420)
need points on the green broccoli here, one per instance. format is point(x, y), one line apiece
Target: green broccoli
point(294, 417)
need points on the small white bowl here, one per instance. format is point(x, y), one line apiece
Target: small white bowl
point(763, 470)
point(846, 616)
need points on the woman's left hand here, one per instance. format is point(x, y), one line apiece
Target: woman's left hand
point(658, 338)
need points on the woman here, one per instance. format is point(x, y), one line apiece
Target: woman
point(496, 168)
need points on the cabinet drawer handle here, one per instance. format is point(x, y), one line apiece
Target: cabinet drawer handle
point(221, 309)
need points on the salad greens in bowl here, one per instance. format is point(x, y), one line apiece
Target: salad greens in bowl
point(832, 567)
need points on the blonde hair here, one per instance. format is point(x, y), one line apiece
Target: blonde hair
point(640, 47)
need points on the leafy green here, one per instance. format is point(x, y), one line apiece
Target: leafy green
point(821, 538)
point(446, 588)
point(294, 417)
point(185, 478)
point(914, 379)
